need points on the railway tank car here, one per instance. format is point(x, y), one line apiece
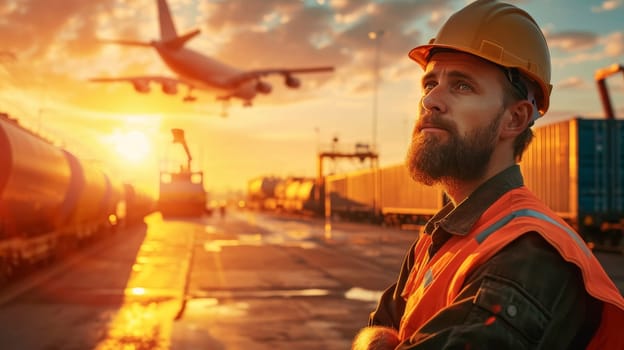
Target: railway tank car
point(138, 203)
point(298, 196)
point(35, 178)
point(88, 200)
point(261, 193)
point(295, 195)
point(51, 201)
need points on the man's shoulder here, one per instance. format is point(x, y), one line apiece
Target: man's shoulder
point(529, 256)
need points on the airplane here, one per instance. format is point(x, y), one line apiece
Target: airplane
point(197, 71)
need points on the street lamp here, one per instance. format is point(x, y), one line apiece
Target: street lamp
point(375, 36)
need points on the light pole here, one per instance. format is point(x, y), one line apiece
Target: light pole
point(375, 36)
point(317, 131)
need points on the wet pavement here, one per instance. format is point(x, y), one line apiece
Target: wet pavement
point(241, 281)
point(288, 284)
point(244, 280)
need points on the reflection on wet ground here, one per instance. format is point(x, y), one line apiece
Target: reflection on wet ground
point(363, 294)
point(214, 283)
point(292, 235)
point(140, 326)
point(273, 293)
point(355, 293)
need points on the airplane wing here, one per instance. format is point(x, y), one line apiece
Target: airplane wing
point(287, 73)
point(142, 83)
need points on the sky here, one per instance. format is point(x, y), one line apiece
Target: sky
point(49, 50)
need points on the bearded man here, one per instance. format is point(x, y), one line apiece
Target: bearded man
point(495, 268)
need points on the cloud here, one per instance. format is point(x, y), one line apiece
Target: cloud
point(606, 6)
point(571, 83)
point(31, 27)
point(343, 29)
point(571, 41)
point(56, 41)
point(614, 44)
point(609, 46)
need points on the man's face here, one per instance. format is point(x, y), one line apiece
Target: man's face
point(458, 119)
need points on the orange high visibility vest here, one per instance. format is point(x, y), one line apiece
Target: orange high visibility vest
point(433, 285)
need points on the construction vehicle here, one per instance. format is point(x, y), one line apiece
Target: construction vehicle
point(182, 192)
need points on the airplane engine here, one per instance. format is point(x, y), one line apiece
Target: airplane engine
point(292, 82)
point(263, 87)
point(141, 86)
point(170, 88)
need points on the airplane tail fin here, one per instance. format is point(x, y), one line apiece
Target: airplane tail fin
point(168, 33)
point(167, 28)
point(178, 42)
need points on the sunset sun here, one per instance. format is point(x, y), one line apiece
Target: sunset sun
point(132, 145)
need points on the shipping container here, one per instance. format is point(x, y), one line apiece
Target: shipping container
point(386, 194)
point(405, 201)
point(352, 195)
point(577, 168)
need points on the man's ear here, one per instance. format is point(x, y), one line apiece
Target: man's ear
point(518, 119)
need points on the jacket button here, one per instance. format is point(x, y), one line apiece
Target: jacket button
point(512, 310)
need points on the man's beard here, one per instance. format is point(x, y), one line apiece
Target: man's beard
point(431, 160)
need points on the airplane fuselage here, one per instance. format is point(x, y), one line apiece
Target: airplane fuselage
point(205, 73)
point(198, 71)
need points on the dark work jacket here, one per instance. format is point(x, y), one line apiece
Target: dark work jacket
point(529, 264)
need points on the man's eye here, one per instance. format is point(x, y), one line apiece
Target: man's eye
point(428, 86)
point(461, 86)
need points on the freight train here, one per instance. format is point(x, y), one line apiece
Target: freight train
point(385, 195)
point(287, 195)
point(51, 201)
point(575, 166)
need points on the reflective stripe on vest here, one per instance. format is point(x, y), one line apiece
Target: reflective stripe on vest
point(503, 221)
point(534, 214)
point(434, 284)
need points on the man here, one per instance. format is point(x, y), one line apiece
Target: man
point(495, 268)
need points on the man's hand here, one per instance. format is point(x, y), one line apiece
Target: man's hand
point(376, 338)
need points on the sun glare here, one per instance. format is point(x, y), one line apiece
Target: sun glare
point(132, 145)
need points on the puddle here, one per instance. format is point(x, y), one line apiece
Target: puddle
point(256, 240)
point(363, 294)
point(282, 293)
point(217, 244)
point(211, 307)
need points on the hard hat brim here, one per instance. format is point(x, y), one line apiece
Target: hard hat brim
point(421, 54)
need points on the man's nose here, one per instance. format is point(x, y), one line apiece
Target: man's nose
point(435, 99)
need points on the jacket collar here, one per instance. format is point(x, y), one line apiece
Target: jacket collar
point(460, 220)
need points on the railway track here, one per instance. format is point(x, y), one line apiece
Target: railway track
point(37, 275)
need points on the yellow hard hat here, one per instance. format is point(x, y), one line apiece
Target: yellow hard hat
point(500, 33)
